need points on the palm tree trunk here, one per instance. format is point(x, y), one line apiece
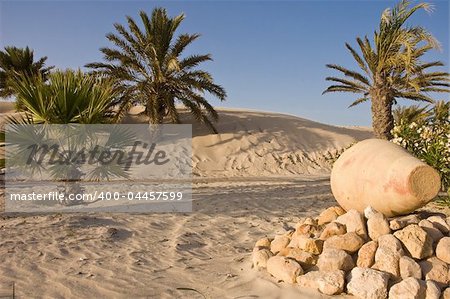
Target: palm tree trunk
point(382, 118)
point(154, 117)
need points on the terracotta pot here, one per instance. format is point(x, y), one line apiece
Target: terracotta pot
point(383, 175)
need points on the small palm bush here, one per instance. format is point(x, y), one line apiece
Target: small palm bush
point(425, 132)
point(67, 97)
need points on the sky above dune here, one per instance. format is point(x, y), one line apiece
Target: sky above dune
point(269, 55)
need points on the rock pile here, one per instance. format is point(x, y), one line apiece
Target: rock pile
point(367, 255)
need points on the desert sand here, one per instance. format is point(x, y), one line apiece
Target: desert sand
point(262, 174)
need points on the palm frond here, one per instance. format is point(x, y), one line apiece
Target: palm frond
point(349, 73)
point(359, 101)
point(393, 65)
point(147, 67)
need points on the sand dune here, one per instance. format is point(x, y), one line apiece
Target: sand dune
point(261, 174)
point(254, 143)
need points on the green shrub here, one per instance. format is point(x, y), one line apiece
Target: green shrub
point(426, 134)
point(66, 97)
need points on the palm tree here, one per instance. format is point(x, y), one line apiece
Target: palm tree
point(392, 67)
point(441, 111)
point(148, 69)
point(437, 113)
point(66, 97)
point(15, 60)
point(408, 115)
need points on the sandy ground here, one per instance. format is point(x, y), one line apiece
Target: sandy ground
point(260, 175)
point(203, 254)
point(161, 255)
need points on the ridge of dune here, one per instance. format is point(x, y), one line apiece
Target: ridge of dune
point(257, 143)
point(253, 143)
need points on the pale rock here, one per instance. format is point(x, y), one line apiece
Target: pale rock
point(308, 280)
point(284, 252)
point(305, 259)
point(310, 221)
point(443, 250)
point(416, 241)
point(333, 229)
point(403, 221)
point(388, 255)
point(431, 230)
point(433, 291)
point(367, 283)
point(377, 225)
point(329, 283)
point(295, 239)
point(300, 223)
point(289, 233)
point(409, 268)
point(409, 288)
point(387, 262)
point(260, 257)
point(307, 244)
point(283, 268)
point(311, 245)
point(258, 248)
point(366, 254)
point(335, 259)
point(278, 243)
point(263, 242)
point(436, 270)
point(328, 216)
point(354, 222)
point(350, 242)
point(440, 223)
point(339, 210)
point(446, 293)
point(369, 212)
point(390, 242)
point(306, 229)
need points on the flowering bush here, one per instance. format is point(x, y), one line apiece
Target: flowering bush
point(427, 136)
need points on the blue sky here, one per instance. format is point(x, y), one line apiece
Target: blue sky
point(269, 55)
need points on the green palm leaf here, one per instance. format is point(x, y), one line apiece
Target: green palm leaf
point(394, 67)
point(147, 68)
point(19, 61)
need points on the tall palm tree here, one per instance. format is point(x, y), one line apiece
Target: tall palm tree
point(392, 67)
point(15, 60)
point(148, 69)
